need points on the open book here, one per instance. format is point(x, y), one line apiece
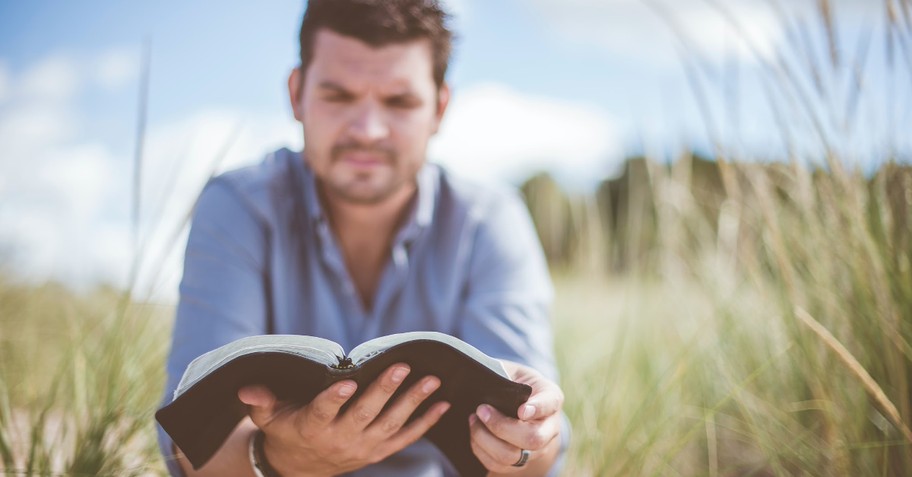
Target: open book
point(205, 408)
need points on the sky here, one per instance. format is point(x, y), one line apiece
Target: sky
point(565, 86)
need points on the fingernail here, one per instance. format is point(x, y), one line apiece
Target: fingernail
point(399, 374)
point(483, 413)
point(443, 408)
point(528, 411)
point(472, 419)
point(347, 389)
point(430, 385)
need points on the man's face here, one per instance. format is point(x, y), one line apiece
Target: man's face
point(368, 114)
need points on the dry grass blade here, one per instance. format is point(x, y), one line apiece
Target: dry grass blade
point(6, 441)
point(844, 355)
point(141, 117)
point(826, 15)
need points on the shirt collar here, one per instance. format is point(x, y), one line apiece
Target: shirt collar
point(419, 217)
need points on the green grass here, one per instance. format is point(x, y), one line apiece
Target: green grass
point(81, 376)
point(782, 349)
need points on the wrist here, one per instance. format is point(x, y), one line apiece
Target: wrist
point(261, 465)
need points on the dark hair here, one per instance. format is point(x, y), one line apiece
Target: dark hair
point(379, 23)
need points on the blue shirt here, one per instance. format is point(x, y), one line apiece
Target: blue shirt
point(261, 258)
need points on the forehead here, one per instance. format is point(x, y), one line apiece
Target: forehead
point(353, 63)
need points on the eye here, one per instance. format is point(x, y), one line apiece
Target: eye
point(404, 101)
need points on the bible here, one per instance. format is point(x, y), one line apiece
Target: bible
point(205, 408)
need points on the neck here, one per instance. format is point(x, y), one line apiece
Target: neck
point(350, 220)
point(365, 234)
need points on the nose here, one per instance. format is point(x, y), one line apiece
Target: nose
point(369, 124)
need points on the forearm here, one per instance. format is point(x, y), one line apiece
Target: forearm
point(232, 459)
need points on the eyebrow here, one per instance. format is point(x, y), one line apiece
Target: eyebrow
point(331, 85)
point(335, 87)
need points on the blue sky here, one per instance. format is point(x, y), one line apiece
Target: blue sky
point(569, 86)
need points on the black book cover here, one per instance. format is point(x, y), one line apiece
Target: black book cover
point(206, 409)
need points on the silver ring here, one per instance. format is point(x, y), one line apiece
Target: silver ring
point(523, 458)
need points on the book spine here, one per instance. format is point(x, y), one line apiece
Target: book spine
point(344, 363)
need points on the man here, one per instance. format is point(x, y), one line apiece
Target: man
point(356, 238)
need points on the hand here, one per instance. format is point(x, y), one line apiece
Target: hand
point(318, 440)
point(498, 440)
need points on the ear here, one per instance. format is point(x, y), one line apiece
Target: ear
point(443, 100)
point(295, 92)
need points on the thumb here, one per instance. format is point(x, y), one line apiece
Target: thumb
point(261, 402)
point(544, 402)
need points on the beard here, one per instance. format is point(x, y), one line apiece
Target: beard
point(363, 186)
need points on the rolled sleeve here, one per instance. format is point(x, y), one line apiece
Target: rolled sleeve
point(508, 294)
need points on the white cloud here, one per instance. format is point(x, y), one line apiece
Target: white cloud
point(54, 78)
point(52, 208)
point(27, 127)
point(180, 156)
point(457, 7)
point(78, 178)
point(65, 198)
point(754, 30)
point(116, 68)
point(62, 76)
point(492, 132)
point(5, 82)
point(632, 28)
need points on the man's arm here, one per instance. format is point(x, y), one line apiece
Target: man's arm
point(506, 314)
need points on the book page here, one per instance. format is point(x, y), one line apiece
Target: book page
point(368, 349)
point(316, 349)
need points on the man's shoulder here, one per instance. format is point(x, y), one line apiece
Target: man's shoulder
point(273, 173)
point(263, 189)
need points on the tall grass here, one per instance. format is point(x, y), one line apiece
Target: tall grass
point(81, 374)
point(768, 333)
point(779, 347)
point(81, 378)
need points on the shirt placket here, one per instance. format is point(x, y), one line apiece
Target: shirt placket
point(391, 284)
point(354, 312)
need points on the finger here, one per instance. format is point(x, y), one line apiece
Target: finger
point(363, 412)
point(487, 460)
point(256, 396)
point(391, 420)
point(417, 428)
point(324, 408)
point(499, 454)
point(530, 435)
point(261, 404)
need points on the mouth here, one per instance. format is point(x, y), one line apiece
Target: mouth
point(363, 158)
